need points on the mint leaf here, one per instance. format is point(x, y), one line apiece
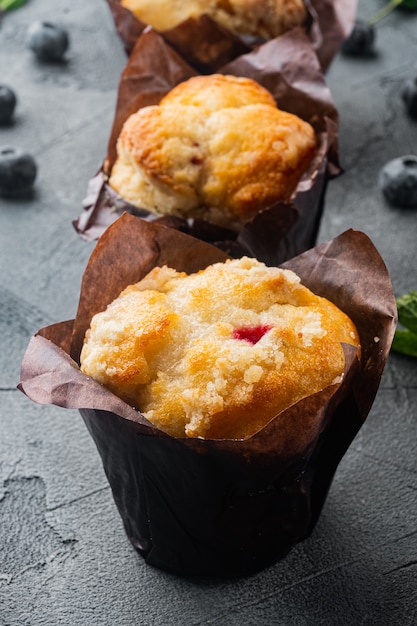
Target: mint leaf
point(407, 311)
point(7, 5)
point(410, 4)
point(405, 341)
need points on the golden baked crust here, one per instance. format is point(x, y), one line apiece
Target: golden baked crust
point(264, 18)
point(218, 353)
point(216, 147)
point(218, 91)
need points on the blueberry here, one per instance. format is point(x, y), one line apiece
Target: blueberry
point(7, 104)
point(409, 95)
point(17, 170)
point(48, 41)
point(398, 181)
point(361, 40)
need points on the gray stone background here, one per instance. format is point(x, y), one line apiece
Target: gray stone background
point(64, 557)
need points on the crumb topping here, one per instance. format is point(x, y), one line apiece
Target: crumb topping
point(219, 352)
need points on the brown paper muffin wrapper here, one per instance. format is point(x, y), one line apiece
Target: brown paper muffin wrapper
point(207, 45)
point(287, 66)
point(218, 507)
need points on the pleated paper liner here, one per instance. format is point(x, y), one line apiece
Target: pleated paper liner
point(287, 66)
point(208, 46)
point(219, 507)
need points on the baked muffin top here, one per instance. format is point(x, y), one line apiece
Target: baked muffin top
point(264, 18)
point(216, 147)
point(218, 353)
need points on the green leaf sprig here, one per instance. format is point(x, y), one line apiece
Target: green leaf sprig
point(8, 5)
point(388, 8)
point(405, 339)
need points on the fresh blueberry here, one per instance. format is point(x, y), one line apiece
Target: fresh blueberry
point(48, 41)
point(361, 40)
point(398, 181)
point(7, 104)
point(17, 170)
point(409, 95)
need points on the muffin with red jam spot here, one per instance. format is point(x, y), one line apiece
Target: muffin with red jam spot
point(218, 353)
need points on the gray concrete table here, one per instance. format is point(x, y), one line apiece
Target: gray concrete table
point(64, 557)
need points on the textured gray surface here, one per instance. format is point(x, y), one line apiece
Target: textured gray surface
point(64, 558)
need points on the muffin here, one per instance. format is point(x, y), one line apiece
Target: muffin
point(219, 31)
point(288, 69)
point(216, 147)
point(216, 354)
point(220, 507)
point(263, 18)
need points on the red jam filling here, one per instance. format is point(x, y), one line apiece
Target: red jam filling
point(251, 334)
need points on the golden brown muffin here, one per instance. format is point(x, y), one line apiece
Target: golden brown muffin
point(264, 18)
point(216, 147)
point(218, 353)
